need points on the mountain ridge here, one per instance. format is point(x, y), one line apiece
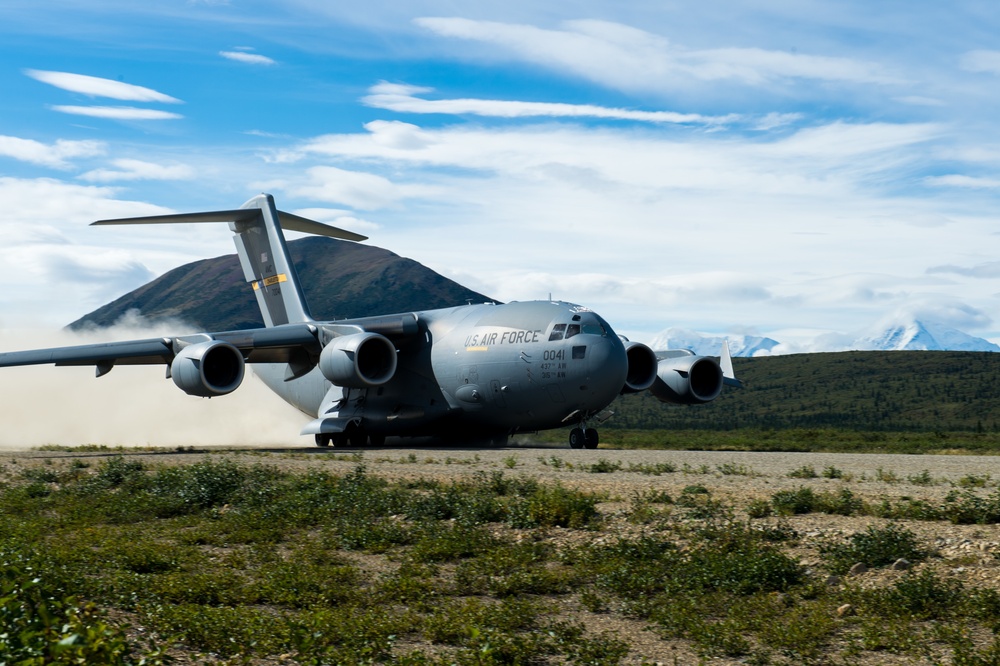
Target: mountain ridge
point(903, 334)
point(339, 280)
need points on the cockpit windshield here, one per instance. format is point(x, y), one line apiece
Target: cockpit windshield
point(587, 323)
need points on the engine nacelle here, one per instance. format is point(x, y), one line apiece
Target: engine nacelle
point(641, 367)
point(208, 369)
point(687, 380)
point(361, 360)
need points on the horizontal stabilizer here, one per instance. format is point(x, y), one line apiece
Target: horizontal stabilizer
point(289, 222)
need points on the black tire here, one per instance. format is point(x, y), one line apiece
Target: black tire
point(590, 438)
point(323, 439)
point(357, 438)
point(576, 438)
point(376, 440)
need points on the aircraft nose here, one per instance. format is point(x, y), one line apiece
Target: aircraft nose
point(608, 365)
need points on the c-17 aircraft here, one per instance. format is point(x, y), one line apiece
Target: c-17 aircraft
point(482, 372)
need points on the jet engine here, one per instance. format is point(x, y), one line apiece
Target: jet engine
point(359, 360)
point(687, 380)
point(208, 369)
point(641, 367)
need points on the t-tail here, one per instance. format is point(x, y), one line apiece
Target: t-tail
point(263, 253)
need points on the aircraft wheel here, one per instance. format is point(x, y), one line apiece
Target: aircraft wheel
point(357, 438)
point(576, 438)
point(590, 438)
point(323, 439)
point(376, 440)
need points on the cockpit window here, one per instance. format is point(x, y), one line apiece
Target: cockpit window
point(572, 329)
point(557, 332)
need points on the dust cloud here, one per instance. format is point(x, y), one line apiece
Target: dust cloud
point(132, 405)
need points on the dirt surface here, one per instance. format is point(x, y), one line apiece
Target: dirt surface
point(730, 473)
point(970, 553)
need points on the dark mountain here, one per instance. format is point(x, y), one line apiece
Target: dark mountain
point(340, 280)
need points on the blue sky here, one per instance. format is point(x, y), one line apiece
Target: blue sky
point(789, 169)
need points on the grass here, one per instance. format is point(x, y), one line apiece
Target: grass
point(252, 564)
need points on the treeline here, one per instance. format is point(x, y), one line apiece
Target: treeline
point(871, 391)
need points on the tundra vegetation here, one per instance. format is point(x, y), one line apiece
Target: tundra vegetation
point(225, 561)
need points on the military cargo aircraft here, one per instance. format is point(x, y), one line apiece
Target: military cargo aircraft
point(478, 372)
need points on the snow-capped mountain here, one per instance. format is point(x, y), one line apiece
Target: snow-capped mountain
point(917, 335)
point(888, 335)
point(709, 345)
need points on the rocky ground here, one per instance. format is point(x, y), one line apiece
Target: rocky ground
point(970, 553)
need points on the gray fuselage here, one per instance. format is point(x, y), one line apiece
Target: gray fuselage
point(484, 368)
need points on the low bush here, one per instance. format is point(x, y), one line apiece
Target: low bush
point(875, 547)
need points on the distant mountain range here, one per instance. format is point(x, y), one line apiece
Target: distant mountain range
point(906, 335)
point(340, 280)
point(711, 345)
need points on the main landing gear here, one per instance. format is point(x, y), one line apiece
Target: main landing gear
point(583, 438)
point(355, 437)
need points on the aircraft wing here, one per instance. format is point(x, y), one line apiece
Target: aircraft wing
point(281, 344)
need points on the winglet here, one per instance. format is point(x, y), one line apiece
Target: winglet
point(726, 363)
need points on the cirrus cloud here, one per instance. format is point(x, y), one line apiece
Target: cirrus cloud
point(129, 169)
point(627, 58)
point(117, 112)
point(402, 98)
point(248, 58)
point(94, 86)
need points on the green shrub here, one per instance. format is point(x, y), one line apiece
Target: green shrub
point(919, 596)
point(875, 547)
point(556, 506)
point(42, 625)
point(603, 466)
point(794, 502)
point(841, 503)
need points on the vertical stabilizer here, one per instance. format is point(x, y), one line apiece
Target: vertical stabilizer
point(263, 254)
point(260, 244)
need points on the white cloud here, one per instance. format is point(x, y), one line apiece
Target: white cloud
point(248, 58)
point(94, 86)
point(55, 155)
point(828, 160)
point(401, 98)
point(989, 270)
point(129, 169)
point(118, 112)
point(969, 182)
point(987, 62)
point(35, 201)
point(623, 57)
point(353, 188)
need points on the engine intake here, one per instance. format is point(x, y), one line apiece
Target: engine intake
point(360, 360)
point(208, 369)
point(688, 380)
point(641, 367)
